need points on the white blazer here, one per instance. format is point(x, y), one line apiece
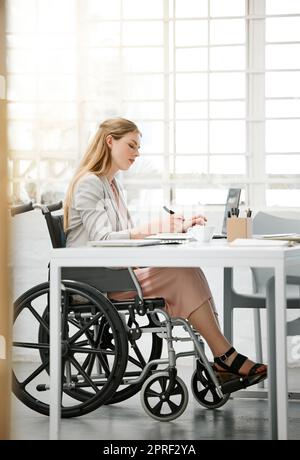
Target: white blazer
point(93, 214)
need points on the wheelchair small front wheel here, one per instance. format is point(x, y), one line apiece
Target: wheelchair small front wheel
point(205, 391)
point(161, 404)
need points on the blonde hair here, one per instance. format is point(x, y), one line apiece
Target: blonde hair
point(97, 159)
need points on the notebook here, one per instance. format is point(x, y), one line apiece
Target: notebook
point(122, 243)
point(232, 201)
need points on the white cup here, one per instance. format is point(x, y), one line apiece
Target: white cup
point(202, 233)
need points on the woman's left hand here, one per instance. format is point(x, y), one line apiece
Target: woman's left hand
point(195, 220)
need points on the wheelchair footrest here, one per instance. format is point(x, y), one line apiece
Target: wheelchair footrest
point(236, 383)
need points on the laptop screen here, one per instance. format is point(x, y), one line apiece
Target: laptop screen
point(233, 201)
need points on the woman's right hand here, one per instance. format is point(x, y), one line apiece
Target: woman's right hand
point(173, 223)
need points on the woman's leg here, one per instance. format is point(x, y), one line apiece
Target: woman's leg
point(183, 290)
point(203, 319)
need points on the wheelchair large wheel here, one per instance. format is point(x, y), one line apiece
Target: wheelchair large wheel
point(83, 353)
point(139, 354)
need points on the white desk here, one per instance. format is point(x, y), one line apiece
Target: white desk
point(215, 254)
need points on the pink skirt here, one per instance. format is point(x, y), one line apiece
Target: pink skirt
point(184, 289)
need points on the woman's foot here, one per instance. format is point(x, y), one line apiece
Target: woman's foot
point(238, 364)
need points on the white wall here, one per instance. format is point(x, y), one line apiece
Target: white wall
point(30, 256)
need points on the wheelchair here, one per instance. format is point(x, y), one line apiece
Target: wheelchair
point(106, 355)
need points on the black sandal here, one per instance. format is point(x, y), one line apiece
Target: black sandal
point(237, 364)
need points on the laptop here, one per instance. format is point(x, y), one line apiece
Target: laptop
point(232, 201)
point(168, 237)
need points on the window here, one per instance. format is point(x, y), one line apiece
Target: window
point(211, 84)
point(282, 54)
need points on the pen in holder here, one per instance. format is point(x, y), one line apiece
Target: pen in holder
point(239, 227)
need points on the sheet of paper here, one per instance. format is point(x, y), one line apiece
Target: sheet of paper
point(258, 242)
point(295, 237)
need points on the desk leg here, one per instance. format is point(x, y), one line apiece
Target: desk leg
point(55, 351)
point(272, 390)
point(227, 304)
point(277, 372)
point(281, 352)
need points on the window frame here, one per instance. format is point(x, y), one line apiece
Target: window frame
point(256, 181)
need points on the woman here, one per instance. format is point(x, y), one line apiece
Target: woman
point(95, 209)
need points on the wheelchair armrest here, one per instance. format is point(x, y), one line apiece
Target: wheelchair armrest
point(136, 284)
point(146, 305)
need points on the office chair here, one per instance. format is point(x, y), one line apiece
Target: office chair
point(268, 224)
point(263, 223)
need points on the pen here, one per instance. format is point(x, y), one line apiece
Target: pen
point(168, 210)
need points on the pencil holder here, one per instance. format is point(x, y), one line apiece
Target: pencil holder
point(239, 227)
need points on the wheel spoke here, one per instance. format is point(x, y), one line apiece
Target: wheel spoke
point(137, 363)
point(157, 409)
point(84, 374)
point(83, 343)
point(90, 339)
point(163, 383)
point(91, 364)
point(177, 390)
point(86, 362)
point(74, 323)
point(35, 374)
point(141, 363)
point(35, 346)
point(103, 361)
point(152, 394)
point(84, 328)
point(102, 358)
point(95, 351)
point(38, 317)
point(215, 395)
point(203, 393)
point(174, 407)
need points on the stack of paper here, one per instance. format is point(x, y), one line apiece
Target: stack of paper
point(283, 237)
